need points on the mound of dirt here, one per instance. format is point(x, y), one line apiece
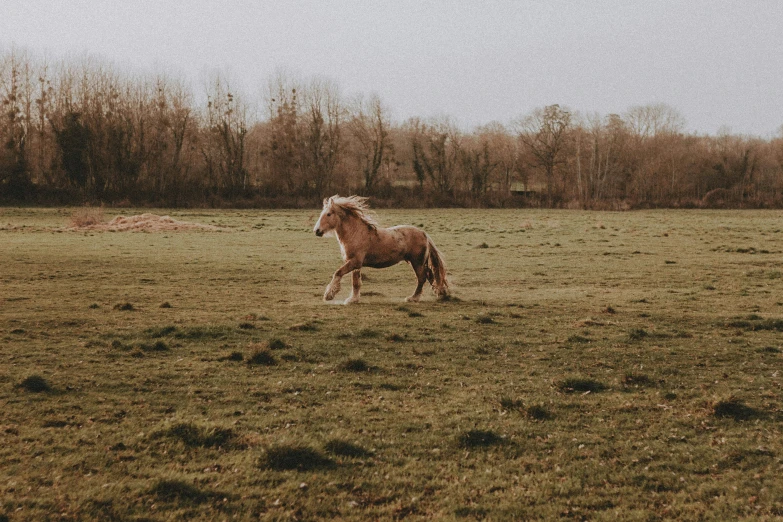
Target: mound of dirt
point(146, 223)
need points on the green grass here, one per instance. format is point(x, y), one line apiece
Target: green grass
point(526, 396)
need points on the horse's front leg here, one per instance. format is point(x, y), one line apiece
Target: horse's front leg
point(356, 287)
point(334, 286)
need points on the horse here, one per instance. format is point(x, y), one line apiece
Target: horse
point(364, 243)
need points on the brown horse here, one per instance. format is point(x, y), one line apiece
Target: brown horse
point(364, 243)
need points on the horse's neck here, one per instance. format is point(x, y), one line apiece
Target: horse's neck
point(351, 233)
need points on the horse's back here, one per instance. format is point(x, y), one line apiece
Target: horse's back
point(395, 244)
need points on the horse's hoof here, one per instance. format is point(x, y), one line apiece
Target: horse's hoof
point(351, 300)
point(412, 299)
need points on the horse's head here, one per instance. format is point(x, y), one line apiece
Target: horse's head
point(329, 218)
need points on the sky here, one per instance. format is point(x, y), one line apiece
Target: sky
point(718, 62)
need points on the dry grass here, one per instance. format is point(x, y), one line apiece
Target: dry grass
point(529, 397)
point(87, 217)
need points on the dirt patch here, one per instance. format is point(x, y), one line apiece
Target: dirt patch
point(146, 223)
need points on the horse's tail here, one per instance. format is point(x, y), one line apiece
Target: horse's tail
point(436, 270)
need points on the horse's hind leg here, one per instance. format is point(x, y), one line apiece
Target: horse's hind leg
point(421, 275)
point(357, 286)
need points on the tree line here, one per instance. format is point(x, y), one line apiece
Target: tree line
point(80, 131)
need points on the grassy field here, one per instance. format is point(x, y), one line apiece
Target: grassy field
point(595, 366)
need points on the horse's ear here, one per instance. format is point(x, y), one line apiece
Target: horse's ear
point(326, 202)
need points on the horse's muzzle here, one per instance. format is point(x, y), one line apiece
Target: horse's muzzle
point(319, 233)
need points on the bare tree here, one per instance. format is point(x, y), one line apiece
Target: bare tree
point(223, 146)
point(436, 152)
point(321, 147)
point(15, 124)
point(543, 132)
point(370, 125)
point(478, 162)
point(282, 139)
point(651, 120)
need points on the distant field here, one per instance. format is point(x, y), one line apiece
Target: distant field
point(596, 366)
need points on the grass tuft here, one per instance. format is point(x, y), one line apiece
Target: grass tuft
point(304, 327)
point(276, 344)
point(35, 384)
point(165, 304)
point(637, 334)
point(538, 412)
point(355, 365)
point(735, 409)
point(233, 356)
point(485, 319)
point(578, 339)
point(510, 404)
point(179, 491)
point(301, 458)
point(368, 333)
point(158, 346)
point(578, 384)
point(346, 449)
point(202, 333)
point(262, 357)
point(161, 331)
point(125, 307)
point(769, 324)
point(637, 379)
point(479, 439)
point(195, 436)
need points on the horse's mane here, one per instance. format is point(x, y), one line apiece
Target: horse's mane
point(355, 206)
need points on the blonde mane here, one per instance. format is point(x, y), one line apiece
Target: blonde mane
point(355, 206)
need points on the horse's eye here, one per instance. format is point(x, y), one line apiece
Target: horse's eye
point(328, 214)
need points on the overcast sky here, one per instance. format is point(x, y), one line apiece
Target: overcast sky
point(719, 62)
